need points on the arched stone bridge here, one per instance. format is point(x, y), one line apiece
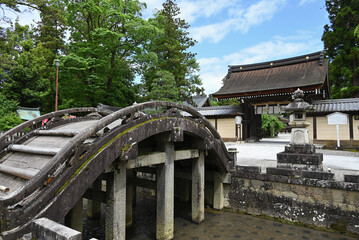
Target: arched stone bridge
point(45, 172)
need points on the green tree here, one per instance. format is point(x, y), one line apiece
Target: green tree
point(49, 37)
point(7, 105)
point(107, 37)
point(163, 87)
point(27, 65)
point(22, 65)
point(172, 55)
point(271, 125)
point(9, 121)
point(224, 102)
point(8, 117)
point(342, 47)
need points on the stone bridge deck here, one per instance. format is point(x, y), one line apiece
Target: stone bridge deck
point(47, 171)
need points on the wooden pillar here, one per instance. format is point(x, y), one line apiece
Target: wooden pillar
point(198, 188)
point(116, 204)
point(74, 218)
point(165, 195)
point(218, 197)
point(94, 207)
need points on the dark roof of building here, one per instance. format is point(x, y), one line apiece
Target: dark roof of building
point(336, 105)
point(307, 72)
point(199, 101)
point(232, 110)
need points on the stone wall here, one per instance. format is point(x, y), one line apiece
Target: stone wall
point(297, 197)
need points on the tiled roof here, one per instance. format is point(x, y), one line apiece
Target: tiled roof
point(232, 110)
point(307, 71)
point(336, 105)
point(199, 101)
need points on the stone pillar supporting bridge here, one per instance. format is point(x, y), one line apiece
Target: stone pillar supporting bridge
point(49, 169)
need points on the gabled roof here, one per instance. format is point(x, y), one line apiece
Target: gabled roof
point(199, 101)
point(307, 72)
point(336, 105)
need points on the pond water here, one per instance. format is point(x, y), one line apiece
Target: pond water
point(217, 226)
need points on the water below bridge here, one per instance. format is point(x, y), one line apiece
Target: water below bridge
point(217, 226)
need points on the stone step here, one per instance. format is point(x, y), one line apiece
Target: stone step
point(59, 132)
point(19, 172)
point(34, 150)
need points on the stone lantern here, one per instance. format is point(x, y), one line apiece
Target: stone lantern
point(298, 107)
point(300, 153)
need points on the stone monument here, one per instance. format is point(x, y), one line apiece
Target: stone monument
point(300, 153)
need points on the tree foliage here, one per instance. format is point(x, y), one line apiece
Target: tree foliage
point(343, 47)
point(224, 102)
point(172, 56)
point(271, 125)
point(107, 39)
point(9, 121)
point(107, 44)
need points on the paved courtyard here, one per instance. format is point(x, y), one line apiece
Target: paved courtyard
point(264, 154)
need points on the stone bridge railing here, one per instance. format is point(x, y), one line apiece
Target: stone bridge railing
point(76, 143)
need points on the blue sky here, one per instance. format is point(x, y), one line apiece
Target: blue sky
point(232, 32)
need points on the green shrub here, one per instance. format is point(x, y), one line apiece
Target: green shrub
point(9, 121)
point(7, 106)
point(271, 126)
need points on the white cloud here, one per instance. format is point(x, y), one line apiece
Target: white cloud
point(214, 69)
point(191, 10)
point(216, 32)
point(260, 12)
point(238, 20)
point(265, 51)
point(302, 2)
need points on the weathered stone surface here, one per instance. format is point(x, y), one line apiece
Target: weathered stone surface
point(318, 175)
point(351, 178)
point(165, 196)
point(300, 149)
point(46, 229)
point(198, 188)
point(86, 158)
point(309, 201)
point(299, 135)
point(249, 169)
point(293, 158)
point(218, 197)
point(283, 171)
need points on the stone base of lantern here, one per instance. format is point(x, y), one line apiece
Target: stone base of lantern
point(299, 135)
point(300, 156)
